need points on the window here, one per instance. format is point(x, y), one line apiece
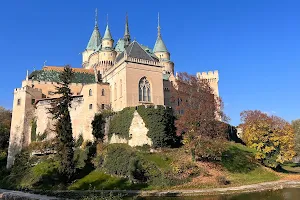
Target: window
point(90, 92)
point(91, 106)
point(120, 87)
point(102, 106)
point(115, 91)
point(32, 101)
point(144, 90)
point(18, 102)
point(103, 92)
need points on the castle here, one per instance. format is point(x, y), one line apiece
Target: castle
point(113, 76)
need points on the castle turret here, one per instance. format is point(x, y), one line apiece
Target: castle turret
point(161, 51)
point(93, 44)
point(107, 41)
point(127, 39)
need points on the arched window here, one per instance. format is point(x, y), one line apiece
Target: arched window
point(144, 90)
point(103, 92)
point(90, 92)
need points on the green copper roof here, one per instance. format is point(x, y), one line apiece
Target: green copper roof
point(107, 34)
point(53, 76)
point(166, 76)
point(95, 39)
point(120, 46)
point(159, 45)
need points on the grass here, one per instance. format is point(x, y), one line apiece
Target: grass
point(162, 161)
point(258, 175)
point(98, 180)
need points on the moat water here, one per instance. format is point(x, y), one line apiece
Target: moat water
point(284, 194)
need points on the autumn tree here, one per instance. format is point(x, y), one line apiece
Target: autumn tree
point(5, 120)
point(199, 113)
point(271, 136)
point(296, 127)
point(63, 127)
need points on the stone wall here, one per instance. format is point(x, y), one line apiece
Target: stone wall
point(137, 133)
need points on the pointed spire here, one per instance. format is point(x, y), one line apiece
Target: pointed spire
point(96, 17)
point(159, 44)
point(127, 39)
point(95, 39)
point(107, 34)
point(158, 26)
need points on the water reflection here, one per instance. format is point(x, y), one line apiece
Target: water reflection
point(284, 194)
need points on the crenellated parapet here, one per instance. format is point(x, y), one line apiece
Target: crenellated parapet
point(209, 76)
point(212, 77)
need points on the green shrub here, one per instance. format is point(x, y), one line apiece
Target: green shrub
point(117, 158)
point(80, 157)
point(33, 130)
point(98, 125)
point(41, 137)
point(79, 141)
point(160, 122)
point(120, 123)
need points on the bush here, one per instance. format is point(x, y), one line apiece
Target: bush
point(33, 130)
point(160, 122)
point(222, 180)
point(117, 158)
point(79, 141)
point(210, 150)
point(98, 125)
point(120, 123)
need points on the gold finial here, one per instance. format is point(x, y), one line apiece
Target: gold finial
point(96, 17)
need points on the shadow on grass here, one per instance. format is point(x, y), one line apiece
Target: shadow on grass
point(237, 160)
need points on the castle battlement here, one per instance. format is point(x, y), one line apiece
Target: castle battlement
point(147, 62)
point(34, 82)
point(210, 75)
point(26, 88)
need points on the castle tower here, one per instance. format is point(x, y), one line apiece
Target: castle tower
point(93, 44)
point(127, 39)
point(107, 54)
point(161, 51)
point(22, 114)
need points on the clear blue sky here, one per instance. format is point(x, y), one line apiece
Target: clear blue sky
point(254, 44)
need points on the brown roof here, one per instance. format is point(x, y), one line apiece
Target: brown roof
point(61, 68)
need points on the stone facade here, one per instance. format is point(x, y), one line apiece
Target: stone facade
point(112, 77)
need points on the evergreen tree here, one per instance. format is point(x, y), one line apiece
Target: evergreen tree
point(63, 128)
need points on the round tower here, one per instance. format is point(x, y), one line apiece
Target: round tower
point(93, 44)
point(162, 53)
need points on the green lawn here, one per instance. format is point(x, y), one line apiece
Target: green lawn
point(98, 180)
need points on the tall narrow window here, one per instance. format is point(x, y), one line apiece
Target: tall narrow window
point(91, 106)
point(102, 106)
point(103, 92)
point(18, 102)
point(120, 87)
point(115, 91)
point(90, 92)
point(144, 90)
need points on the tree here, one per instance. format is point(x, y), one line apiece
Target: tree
point(5, 121)
point(199, 111)
point(60, 110)
point(271, 136)
point(296, 127)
